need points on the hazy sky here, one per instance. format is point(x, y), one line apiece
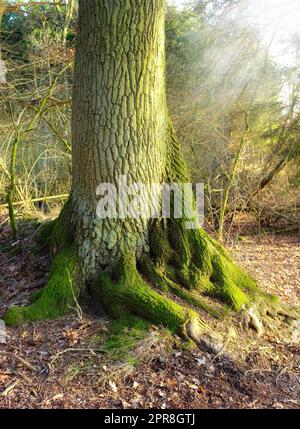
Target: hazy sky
point(276, 20)
point(178, 3)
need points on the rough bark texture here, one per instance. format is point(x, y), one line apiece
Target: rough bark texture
point(121, 127)
point(119, 119)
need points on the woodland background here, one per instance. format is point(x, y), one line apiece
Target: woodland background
point(235, 107)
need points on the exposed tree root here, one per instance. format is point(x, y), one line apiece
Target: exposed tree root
point(157, 275)
point(57, 298)
point(128, 292)
point(198, 263)
point(189, 262)
point(185, 264)
point(166, 286)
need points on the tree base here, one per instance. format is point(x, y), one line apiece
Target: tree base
point(167, 286)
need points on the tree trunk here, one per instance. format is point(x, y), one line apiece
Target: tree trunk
point(119, 119)
point(121, 128)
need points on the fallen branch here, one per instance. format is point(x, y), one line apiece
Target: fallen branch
point(36, 200)
point(21, 360)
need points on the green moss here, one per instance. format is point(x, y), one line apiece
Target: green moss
point(44, 233)
point(160, 246)
point(197, 302)
point(225, 287)
point(62, 233)
point(57, 298)
point(14, 316)
point(120, 339)
point(272, 299)
point(233, 296)
point(130, 294)
point(34, 296)
point(187, 346)
point(271, 305)
point(58, 233)
point(179, 238)
point(162, 278)
point(193, 256)
point(201, 263)
point(185, 263)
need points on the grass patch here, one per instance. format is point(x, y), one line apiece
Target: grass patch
point(122, 336)
point(12, 248)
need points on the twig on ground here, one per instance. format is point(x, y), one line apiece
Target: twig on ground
point(21, 360)
point(284, 370)
point(58, 355)
point(9, 388)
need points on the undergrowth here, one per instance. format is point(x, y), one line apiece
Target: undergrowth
point(122, 337)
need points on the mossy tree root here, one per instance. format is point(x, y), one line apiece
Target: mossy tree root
point(158, 276)
point(59, 296)
point(58, 233)
point(189, 262)
point(128, 293)
point(192, 260)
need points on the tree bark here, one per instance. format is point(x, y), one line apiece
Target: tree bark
point(119, 119)
point(121, 128)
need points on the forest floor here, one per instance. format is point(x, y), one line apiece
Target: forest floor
point(80, 362)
